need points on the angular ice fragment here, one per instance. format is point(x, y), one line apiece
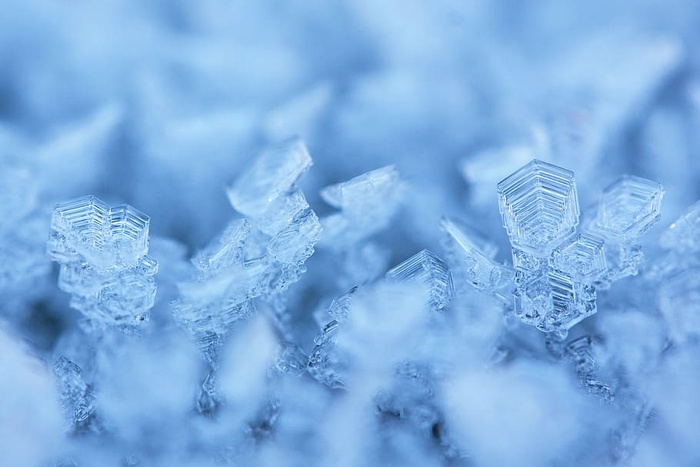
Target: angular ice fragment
point(679, 301)
point(628, 208)
point(340, 305)
point(105, 237)
point(295, 243)
point(580, 353)
point(77, 398)
point(429, 270)
point(475, 255)
point(553, 302)
point(225, 250)
point(539, 205)
point(684, 233)
point(104, 265)
point(581, 256)
point(367, 203)
point(273, 173)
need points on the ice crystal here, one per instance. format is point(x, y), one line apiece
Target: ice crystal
point(102, 252)
point(429, 271)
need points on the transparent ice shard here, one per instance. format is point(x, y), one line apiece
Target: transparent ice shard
point(225, 250)
point(367, 202)
point(684, 233)
point(580, 353)
point(104, 265)
point(77, 397)
point(539, 205)
point(340, 306)
point(679, 301)
point(553, 302)
point(426, 268)
point(628, 208)
point(273, 173)
point(295, 243)
point(582, 256)
point(474, 255)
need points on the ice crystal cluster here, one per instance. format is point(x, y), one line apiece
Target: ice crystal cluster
point(349, 233)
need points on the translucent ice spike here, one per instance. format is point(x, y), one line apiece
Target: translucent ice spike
point(381, 185)
point(225, 250)
point(273, 173)
point(684, 233)
point(679, 301)
point(432, 272)
point(77, 398)
point(628, 208)
point(553, 302)
point(582, 256)
point(476, 257)
point(367, 203)
point(295, 243)
point(539, 206)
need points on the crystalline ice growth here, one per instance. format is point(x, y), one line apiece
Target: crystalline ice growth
point(469, 252)
point(367, 205)
point(103, 256)
point(582, 256)
point(77, 398)
point(553, 302)
point(684, 233)
point(430, 271)
point(272, 174)
point(539, 205)
point(628, 208)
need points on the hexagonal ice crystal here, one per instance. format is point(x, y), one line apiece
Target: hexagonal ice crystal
point(429, 270)
point(102, 251)
point(553, 302)
point(628, 208)
point(581, 256)
point(539, 206)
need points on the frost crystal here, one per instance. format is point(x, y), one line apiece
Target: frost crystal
point(431, 272)
point(557, 270)
point(257, 257)
point(628, 208)
point(272, 173)
point(539, 205)
point(77, 397)
point(102, 251)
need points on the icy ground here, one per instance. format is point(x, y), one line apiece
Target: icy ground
point(349, 233)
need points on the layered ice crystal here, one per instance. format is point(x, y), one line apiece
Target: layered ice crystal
point(628, 208)
point(429, 271)
point(102, 251)
point(557, 269)
point(539, 205)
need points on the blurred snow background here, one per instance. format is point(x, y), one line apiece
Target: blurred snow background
point(161, 103)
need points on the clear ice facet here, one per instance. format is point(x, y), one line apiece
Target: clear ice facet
point(104, 265)
point(225, 250)
point(553, 302)
point(684, 233)
point(77, 397)
point(628, 208)
point(367, 202)
point(426, 268)
point(582, 256)
point(475, 255)
point(271, 174)
point(539, 205)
